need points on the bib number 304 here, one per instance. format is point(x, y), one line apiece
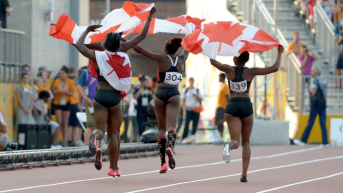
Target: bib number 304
point(239, 86)
point(173, 78)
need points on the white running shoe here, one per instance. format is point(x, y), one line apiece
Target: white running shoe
point(322, 145)
point(226, 153)
point(298, 142)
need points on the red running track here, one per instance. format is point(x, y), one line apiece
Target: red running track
point(198, 169)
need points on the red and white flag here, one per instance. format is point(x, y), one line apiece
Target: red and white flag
point(118, 20)
point(228, 38)
point(115, 67)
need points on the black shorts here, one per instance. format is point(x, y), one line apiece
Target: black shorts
point(66, 107)
point(239, 107)
point(107, 98)
point(220, 114)
point(165, 93)
point(73, 121)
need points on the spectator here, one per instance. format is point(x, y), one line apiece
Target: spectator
point(64, 89)
point(306, 60)
point(42, 117)
point(3, 135)
point(143, 95)
point(43, 69)
point(132, 111)
point(25, 69)
point(5, 9)
point(36, 84)
point(318, 90)
point(180, 120)
point(339, 65)
point(44, 84)
point(86, 87)
point(295, 45)
point(74, 124)
point(191, 98)
point(223, 98)
point(338, 18)
point(154, 84)
point(24, 94)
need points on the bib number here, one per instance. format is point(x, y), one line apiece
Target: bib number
point(239, 86)
point(145, 101)
point(63, 101)
point(173, 78)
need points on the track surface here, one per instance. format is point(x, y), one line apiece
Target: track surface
point(198, 169)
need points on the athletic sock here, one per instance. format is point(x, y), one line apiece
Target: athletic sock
point(171, 138)
point(161, 142)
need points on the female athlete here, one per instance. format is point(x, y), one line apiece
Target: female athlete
point(167, 100)
point(239, 111)
point(108, 111)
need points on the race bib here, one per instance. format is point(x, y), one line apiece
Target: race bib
point(239, 86)
point(63, 101)
point(91, 110)
point(86, 90)
point(145, 101)
point(173, 78)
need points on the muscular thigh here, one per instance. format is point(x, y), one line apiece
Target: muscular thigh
point(160, 112)
point(100, 115)
point(115, 119)
point(247, 124)
point(235, 126)
point(172, 111)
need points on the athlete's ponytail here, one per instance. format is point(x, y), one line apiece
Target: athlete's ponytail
point(173, 45)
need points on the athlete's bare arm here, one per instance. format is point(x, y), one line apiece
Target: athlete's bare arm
point(275, 67)
point(222, 67)
point(183, 57)
point(134, 41)
point(80, 43)
point(146, 53)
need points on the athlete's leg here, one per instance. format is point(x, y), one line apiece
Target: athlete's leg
point(160, 112)
point(246, 132)
point(113, 133)
point(172, 109)
point(235, 127)
point(100, 116)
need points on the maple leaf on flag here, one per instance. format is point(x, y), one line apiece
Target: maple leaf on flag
point(117, 63)
point(223, 32)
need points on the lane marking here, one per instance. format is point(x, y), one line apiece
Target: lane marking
point(280, 187)
point(259, 170)
point(155, 171)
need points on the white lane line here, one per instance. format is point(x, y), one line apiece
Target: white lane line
point(264, 169)
point(333, 175)
point(155, 171)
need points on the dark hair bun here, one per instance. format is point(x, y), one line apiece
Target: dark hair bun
point(173, 45)
point(244, 57)
point(176, 42)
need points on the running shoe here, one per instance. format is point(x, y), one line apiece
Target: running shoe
point(244, 179)
point(226, 153)
point(164, 168)
point(92, 144)
point(298, 142)
point(111, 172)
point(322, 145)
point(117, 172)
point(171, 160)
point(98, 159)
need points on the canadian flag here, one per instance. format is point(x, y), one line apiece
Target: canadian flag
point(228, 38)
point(115, 67)
point(118, 20)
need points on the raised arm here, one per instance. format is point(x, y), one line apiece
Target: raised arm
point(134, 41)
point(222, 67)
point(183, 57)
point(80, 43)
point(275, 67)
point(146, 53)
point(96, 46)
